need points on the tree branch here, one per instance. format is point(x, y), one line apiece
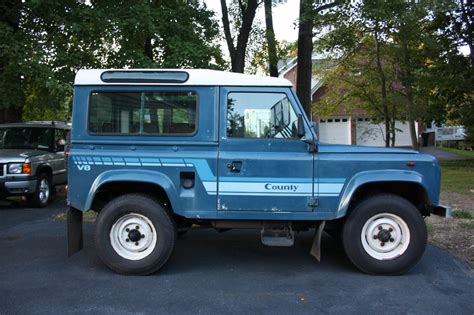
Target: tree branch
point(227, 33)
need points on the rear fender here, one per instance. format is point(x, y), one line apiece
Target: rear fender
point(133, 175)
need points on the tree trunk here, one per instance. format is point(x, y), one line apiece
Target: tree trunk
point(271, 41)
point(237, 53)
point(383, 87)
point(10, 14)
point(10, 114)
point(148, 49)
point(227, 33)
point(407, 82)
point(305, 49)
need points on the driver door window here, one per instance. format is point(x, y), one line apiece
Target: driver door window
point(260, 115)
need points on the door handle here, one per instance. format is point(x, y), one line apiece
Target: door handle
point(235, 166)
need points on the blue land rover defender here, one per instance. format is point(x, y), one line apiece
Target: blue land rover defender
point(156, 152)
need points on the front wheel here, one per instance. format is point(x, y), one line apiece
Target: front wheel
point(384, 234)
point(134, 235)
point(40, 198)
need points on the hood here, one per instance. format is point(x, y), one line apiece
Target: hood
point(17, 154)
point(338, 148)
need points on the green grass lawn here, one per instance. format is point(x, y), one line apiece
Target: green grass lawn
point(458, 176)
point(464, 153)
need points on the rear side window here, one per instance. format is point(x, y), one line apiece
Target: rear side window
point(157, 113)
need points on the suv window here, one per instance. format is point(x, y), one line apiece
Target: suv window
point(26, 138)
point(158, 113)
point(260, 115)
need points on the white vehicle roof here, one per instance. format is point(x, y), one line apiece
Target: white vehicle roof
point(195, 77)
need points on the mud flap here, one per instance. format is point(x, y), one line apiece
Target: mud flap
point(316, 248)
point(74, 231)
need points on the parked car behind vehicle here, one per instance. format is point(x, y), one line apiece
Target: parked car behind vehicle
point(32, 159)
point(156, 152)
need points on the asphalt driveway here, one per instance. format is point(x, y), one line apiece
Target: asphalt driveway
point(212, 273)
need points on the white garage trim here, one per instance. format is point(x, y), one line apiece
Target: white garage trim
point(336, 130)
point(370, 134)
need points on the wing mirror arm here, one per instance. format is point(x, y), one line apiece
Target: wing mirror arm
point(306, 137)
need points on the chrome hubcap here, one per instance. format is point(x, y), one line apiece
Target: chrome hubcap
point(43, 192)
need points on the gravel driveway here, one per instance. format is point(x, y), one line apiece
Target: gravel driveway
point(212, 273)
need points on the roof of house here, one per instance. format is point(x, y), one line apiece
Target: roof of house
point(194, 77)
point(285, 66)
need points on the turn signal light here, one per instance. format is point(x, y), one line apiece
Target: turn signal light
point(411, 164)
point(26, 169)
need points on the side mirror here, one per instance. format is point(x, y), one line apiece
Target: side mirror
point(301, 133)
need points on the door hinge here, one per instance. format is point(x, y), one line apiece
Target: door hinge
point(313, 201)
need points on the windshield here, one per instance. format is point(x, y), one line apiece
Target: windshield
point(26, 138)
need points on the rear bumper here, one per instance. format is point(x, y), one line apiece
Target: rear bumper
point(442, 211)
point(17, 187)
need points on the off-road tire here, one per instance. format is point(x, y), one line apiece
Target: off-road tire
point(352, 237)
point(163, 225)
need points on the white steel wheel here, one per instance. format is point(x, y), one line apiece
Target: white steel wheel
point(133, 236)
point(385, 236)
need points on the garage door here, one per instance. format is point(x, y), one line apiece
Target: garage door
point(371, 134)
point(335, 130)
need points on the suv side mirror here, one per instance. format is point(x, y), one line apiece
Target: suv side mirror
point(60, 145)
point(301, 133)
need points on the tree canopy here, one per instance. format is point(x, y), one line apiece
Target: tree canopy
point(46, 42)
point(408, 56)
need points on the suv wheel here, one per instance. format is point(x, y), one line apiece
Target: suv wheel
point(41, 196)
point(384, 234)
point(134, 235)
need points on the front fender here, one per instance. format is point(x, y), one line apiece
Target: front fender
point(377, 176)
point(133, 175)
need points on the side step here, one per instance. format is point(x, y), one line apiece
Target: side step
point(277, 235)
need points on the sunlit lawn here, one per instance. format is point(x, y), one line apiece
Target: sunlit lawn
point(458, 176)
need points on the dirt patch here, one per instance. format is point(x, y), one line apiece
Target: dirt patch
point(456, 235)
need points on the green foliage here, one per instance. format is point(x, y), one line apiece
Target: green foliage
point(53, 39)
point(419, 44)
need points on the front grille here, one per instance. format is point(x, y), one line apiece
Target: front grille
point(2, 169)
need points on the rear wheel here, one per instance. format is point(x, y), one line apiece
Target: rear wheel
point(384, 234)
point(134, 235)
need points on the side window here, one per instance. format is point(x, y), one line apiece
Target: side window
point(60, 137)
point(260, 115)
point(157, 113)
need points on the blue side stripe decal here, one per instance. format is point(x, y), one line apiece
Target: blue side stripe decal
point(327, 186)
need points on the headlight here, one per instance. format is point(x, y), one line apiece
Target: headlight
point(15, 168)
point(19, 168)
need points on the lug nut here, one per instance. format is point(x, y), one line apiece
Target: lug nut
point(375, 237)
point(391, 240)
point(380, 228)
point(143, 235)
point(127, 229)
point(137, 227)
point(136, 243)
point(390, 230)
point(382, 244)
point(127, 240)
